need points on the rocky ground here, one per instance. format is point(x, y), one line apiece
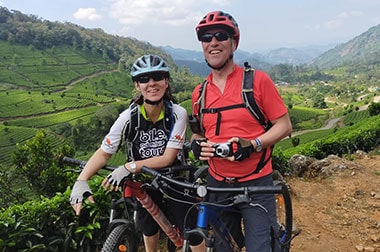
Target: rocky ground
point(337, 205)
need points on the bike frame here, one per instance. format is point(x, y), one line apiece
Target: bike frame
point(208, 213)
point(135, 189)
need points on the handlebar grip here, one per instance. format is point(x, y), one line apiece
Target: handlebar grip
point(149, 171)
point(74, 161)
point(81, 163)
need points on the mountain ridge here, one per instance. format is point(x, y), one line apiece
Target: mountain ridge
point(364, 48)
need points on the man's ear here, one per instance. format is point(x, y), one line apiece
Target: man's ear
point(234, 44)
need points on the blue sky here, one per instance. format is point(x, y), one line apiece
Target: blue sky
point(264, 24)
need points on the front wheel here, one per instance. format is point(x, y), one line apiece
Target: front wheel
point(121, 239)
point(284, 216)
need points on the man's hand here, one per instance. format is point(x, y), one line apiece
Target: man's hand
point(244, 148)
point(196, 147)
point(202, 149)
point(115, 178)
point(80, 191)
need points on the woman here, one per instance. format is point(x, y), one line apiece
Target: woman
point(154, 145)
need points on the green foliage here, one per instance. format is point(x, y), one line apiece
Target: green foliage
point(50, 224)
point(295, 141)
point(280, 161)
point(356, 116)
point(374, 109)
point(44, 121)
point(307, 118)
point(304, 138)
point(37, 162)
point(363, 135)
point(10, 190)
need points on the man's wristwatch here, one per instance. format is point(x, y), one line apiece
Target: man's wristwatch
point(258, 145)
point(132, 166)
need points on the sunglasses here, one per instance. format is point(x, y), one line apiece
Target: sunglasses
point(147, 77)
point(220, 36)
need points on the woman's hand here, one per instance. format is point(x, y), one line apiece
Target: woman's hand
point(116, 178)
point(80, 191)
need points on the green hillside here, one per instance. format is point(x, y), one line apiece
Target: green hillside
point(67, 79)
point(58, 76)
point(364, 48)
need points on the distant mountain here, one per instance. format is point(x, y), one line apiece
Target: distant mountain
point(294, 56)
point(363, 49)
point(194, 60)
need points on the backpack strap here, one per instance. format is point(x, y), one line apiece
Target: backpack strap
point(132, 128)
point(249, 99)
point(168, 117)
point(130, 133)
point(201, 104)
point(218, 110)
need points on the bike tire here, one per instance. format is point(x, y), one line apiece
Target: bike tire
point(121, 239)
point(284, 213)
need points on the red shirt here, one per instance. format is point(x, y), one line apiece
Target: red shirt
point(239, 122)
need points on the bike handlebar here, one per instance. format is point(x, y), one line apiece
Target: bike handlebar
point(166, 170)
point(81, 163)
point(202, 189)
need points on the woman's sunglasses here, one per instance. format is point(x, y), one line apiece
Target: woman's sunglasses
point(147, 77)
point(220, 36)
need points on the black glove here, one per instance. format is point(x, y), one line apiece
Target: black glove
point(196, 147)
point(244, 150)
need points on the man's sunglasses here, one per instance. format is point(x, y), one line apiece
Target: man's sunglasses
point(147, 77)
point(220, 36)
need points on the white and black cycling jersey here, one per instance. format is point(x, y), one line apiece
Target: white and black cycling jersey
point(151, 138)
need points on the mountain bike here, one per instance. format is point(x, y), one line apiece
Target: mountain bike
point(209, 225)
point(123, 233)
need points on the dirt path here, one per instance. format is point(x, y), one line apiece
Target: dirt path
point(340, 213)
point(73, 82)
point(330, 124)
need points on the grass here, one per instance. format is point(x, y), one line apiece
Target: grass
point(305, 138)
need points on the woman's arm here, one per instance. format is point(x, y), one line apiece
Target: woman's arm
point(94, 164)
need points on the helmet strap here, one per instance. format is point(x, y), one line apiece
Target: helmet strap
point(153, 102)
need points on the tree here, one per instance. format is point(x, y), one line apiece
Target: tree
point(319, 101)
point(36, 161)
point(374, 109)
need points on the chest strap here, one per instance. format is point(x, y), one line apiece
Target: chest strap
point(218, 110)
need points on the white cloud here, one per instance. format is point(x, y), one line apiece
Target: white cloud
point(169, 12)
point(341, 19)
point(87, 14)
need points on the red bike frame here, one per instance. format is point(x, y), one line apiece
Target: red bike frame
point(134, 189)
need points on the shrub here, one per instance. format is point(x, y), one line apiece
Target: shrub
point(51, 225)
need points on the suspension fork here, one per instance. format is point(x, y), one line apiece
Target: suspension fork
point(208, 216)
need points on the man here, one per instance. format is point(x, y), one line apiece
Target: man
point(221, 121)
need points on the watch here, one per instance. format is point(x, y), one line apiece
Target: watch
point(258, 145)
point(133, 166)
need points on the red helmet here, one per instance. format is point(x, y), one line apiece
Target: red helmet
point(219, 19)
